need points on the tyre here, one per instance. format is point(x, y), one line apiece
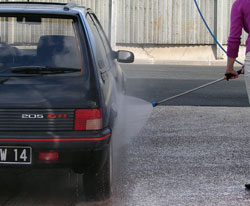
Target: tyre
point(97, 184)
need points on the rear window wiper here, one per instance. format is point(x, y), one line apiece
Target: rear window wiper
point(42, 70)
point(18, 75)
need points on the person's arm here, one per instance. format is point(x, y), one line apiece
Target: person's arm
point(230, 68)
point(234, 38)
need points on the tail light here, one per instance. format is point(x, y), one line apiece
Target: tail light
point(88, 119)
point(48, 156)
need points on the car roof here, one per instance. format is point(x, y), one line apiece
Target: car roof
point(41, 7)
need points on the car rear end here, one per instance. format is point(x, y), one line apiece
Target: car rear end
point(37, 137)
point(51, 111)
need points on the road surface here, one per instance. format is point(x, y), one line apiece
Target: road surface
point(194, 150)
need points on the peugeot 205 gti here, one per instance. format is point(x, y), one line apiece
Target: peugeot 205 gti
point(58, 77)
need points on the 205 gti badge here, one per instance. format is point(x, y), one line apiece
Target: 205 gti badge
point(32, 116)
point(47, 116)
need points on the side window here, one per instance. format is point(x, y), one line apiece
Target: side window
point(103, 36)
point(99, 49)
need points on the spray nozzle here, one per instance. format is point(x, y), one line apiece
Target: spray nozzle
point(154, 104)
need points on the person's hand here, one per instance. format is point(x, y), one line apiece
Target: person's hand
point(232, 72)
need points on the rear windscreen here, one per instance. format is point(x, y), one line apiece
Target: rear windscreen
point(33, 41)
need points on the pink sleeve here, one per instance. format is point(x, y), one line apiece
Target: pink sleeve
point(235, 30)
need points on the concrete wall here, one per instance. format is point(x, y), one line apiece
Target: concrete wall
point(161, 22)
point(171, 21)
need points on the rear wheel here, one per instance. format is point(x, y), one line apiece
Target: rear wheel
point(97, 184)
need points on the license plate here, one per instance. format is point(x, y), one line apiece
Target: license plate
point(15, 155)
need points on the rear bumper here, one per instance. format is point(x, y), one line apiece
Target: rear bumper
point(60, 141)
point(77, 150)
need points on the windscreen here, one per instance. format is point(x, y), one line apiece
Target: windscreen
point(28, 42)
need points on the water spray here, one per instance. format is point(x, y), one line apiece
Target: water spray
point(226, 77)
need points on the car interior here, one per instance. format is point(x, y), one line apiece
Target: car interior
point(51, 51)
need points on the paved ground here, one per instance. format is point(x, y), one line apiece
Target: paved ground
point(175, 161)
point(172, 161)
point(157, 82)
point(178, 155)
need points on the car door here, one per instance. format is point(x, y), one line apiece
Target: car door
point(103, 60)
point(115, 69)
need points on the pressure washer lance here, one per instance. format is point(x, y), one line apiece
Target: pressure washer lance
point(226, 77)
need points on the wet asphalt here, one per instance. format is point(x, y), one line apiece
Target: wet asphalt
point(192, 151)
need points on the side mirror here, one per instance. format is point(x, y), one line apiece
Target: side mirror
point(123, 56)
